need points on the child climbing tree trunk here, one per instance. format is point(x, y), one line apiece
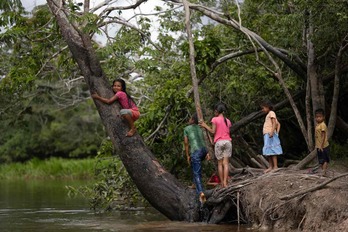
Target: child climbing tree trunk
point(164, 192)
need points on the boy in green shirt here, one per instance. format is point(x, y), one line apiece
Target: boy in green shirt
point(194, 143)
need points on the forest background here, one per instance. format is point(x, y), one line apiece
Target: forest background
point(46, 110)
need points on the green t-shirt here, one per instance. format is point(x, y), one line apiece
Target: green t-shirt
point(195, 136)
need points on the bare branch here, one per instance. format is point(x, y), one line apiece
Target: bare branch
point(221, 60)
point(154, 14)
point(127, 24)
point(110, 9)
point(168, 108)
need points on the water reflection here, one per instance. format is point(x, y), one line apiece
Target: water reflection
point(44, 206)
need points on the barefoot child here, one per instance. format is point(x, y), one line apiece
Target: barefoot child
point(129, 110)
point(321, 141)
point(193, 139)
point(222, 139)
point(271, 127)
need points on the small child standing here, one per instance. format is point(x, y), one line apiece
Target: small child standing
point(321, 141)
point(271, 127)
point(194, 141)
point(222, 139)
point(129, 110)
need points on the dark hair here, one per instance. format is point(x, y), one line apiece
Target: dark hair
point(123, 86)
point(320, 111)
point(221, 108)
point(195, 118)
point(268, 104)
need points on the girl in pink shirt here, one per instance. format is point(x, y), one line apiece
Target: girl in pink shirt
point(129, 110)
point(222, 140)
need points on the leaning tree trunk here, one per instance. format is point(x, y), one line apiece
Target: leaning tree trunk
point(163, 191)
point(333, 113)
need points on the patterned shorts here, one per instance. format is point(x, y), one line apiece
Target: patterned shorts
point(223, 148)
point(134, 113)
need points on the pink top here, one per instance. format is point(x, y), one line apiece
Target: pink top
point(123, 100)
point(222, 132)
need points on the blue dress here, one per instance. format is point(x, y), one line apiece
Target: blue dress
point(271, 145)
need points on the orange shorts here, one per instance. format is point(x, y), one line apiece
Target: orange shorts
point(135, 114)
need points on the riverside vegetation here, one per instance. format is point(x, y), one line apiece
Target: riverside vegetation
point(292, 52)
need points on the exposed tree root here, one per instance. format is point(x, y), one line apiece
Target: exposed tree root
point(285, 200)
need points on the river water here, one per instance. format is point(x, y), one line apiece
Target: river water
point(45, 206)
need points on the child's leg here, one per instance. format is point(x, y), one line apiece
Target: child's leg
point(130, 121)
point(275, 161)
point(225, 171)
point(324, 167)
point(196, 170)
point(220, 170)
point(270, 162)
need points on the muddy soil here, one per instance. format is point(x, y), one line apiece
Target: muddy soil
point(325, 209)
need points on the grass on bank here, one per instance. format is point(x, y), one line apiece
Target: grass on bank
point(53, 168)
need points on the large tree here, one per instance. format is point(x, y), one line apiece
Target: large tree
point(164, 191)
point(158, 186)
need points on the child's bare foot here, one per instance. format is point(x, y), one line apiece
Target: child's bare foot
point(131, 132)
point(202, 198)
point(267, 170)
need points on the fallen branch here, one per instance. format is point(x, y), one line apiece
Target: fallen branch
point(290, 196)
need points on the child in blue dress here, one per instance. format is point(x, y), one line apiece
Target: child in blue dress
point(272, 147)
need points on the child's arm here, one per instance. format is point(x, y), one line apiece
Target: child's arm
point(278, 127)
point(211, 182)
point(105, 100)
point(208, 157)
point(323, 136)
point(186, 143)
point(204, 125)
point(274, 124)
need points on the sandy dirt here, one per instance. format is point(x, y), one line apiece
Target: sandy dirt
point(325, 209)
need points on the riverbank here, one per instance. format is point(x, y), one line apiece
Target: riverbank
point(54, 168)
point(286, 199)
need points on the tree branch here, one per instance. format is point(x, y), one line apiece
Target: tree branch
point(127, 24)
point(312, 189)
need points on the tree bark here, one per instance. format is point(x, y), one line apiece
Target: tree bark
point(303, 163)
point(333, 111)
point(86, 6)
point(194, 75)
point(163, 191)
point(309, 116)
point(318, 100)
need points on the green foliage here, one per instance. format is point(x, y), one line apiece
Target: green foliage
point(44, 108)
point(45, 113)
point(54, 168)
point(338, 151)
point(113, 188)
point(11, 12)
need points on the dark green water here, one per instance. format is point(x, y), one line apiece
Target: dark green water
point(45, 206)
